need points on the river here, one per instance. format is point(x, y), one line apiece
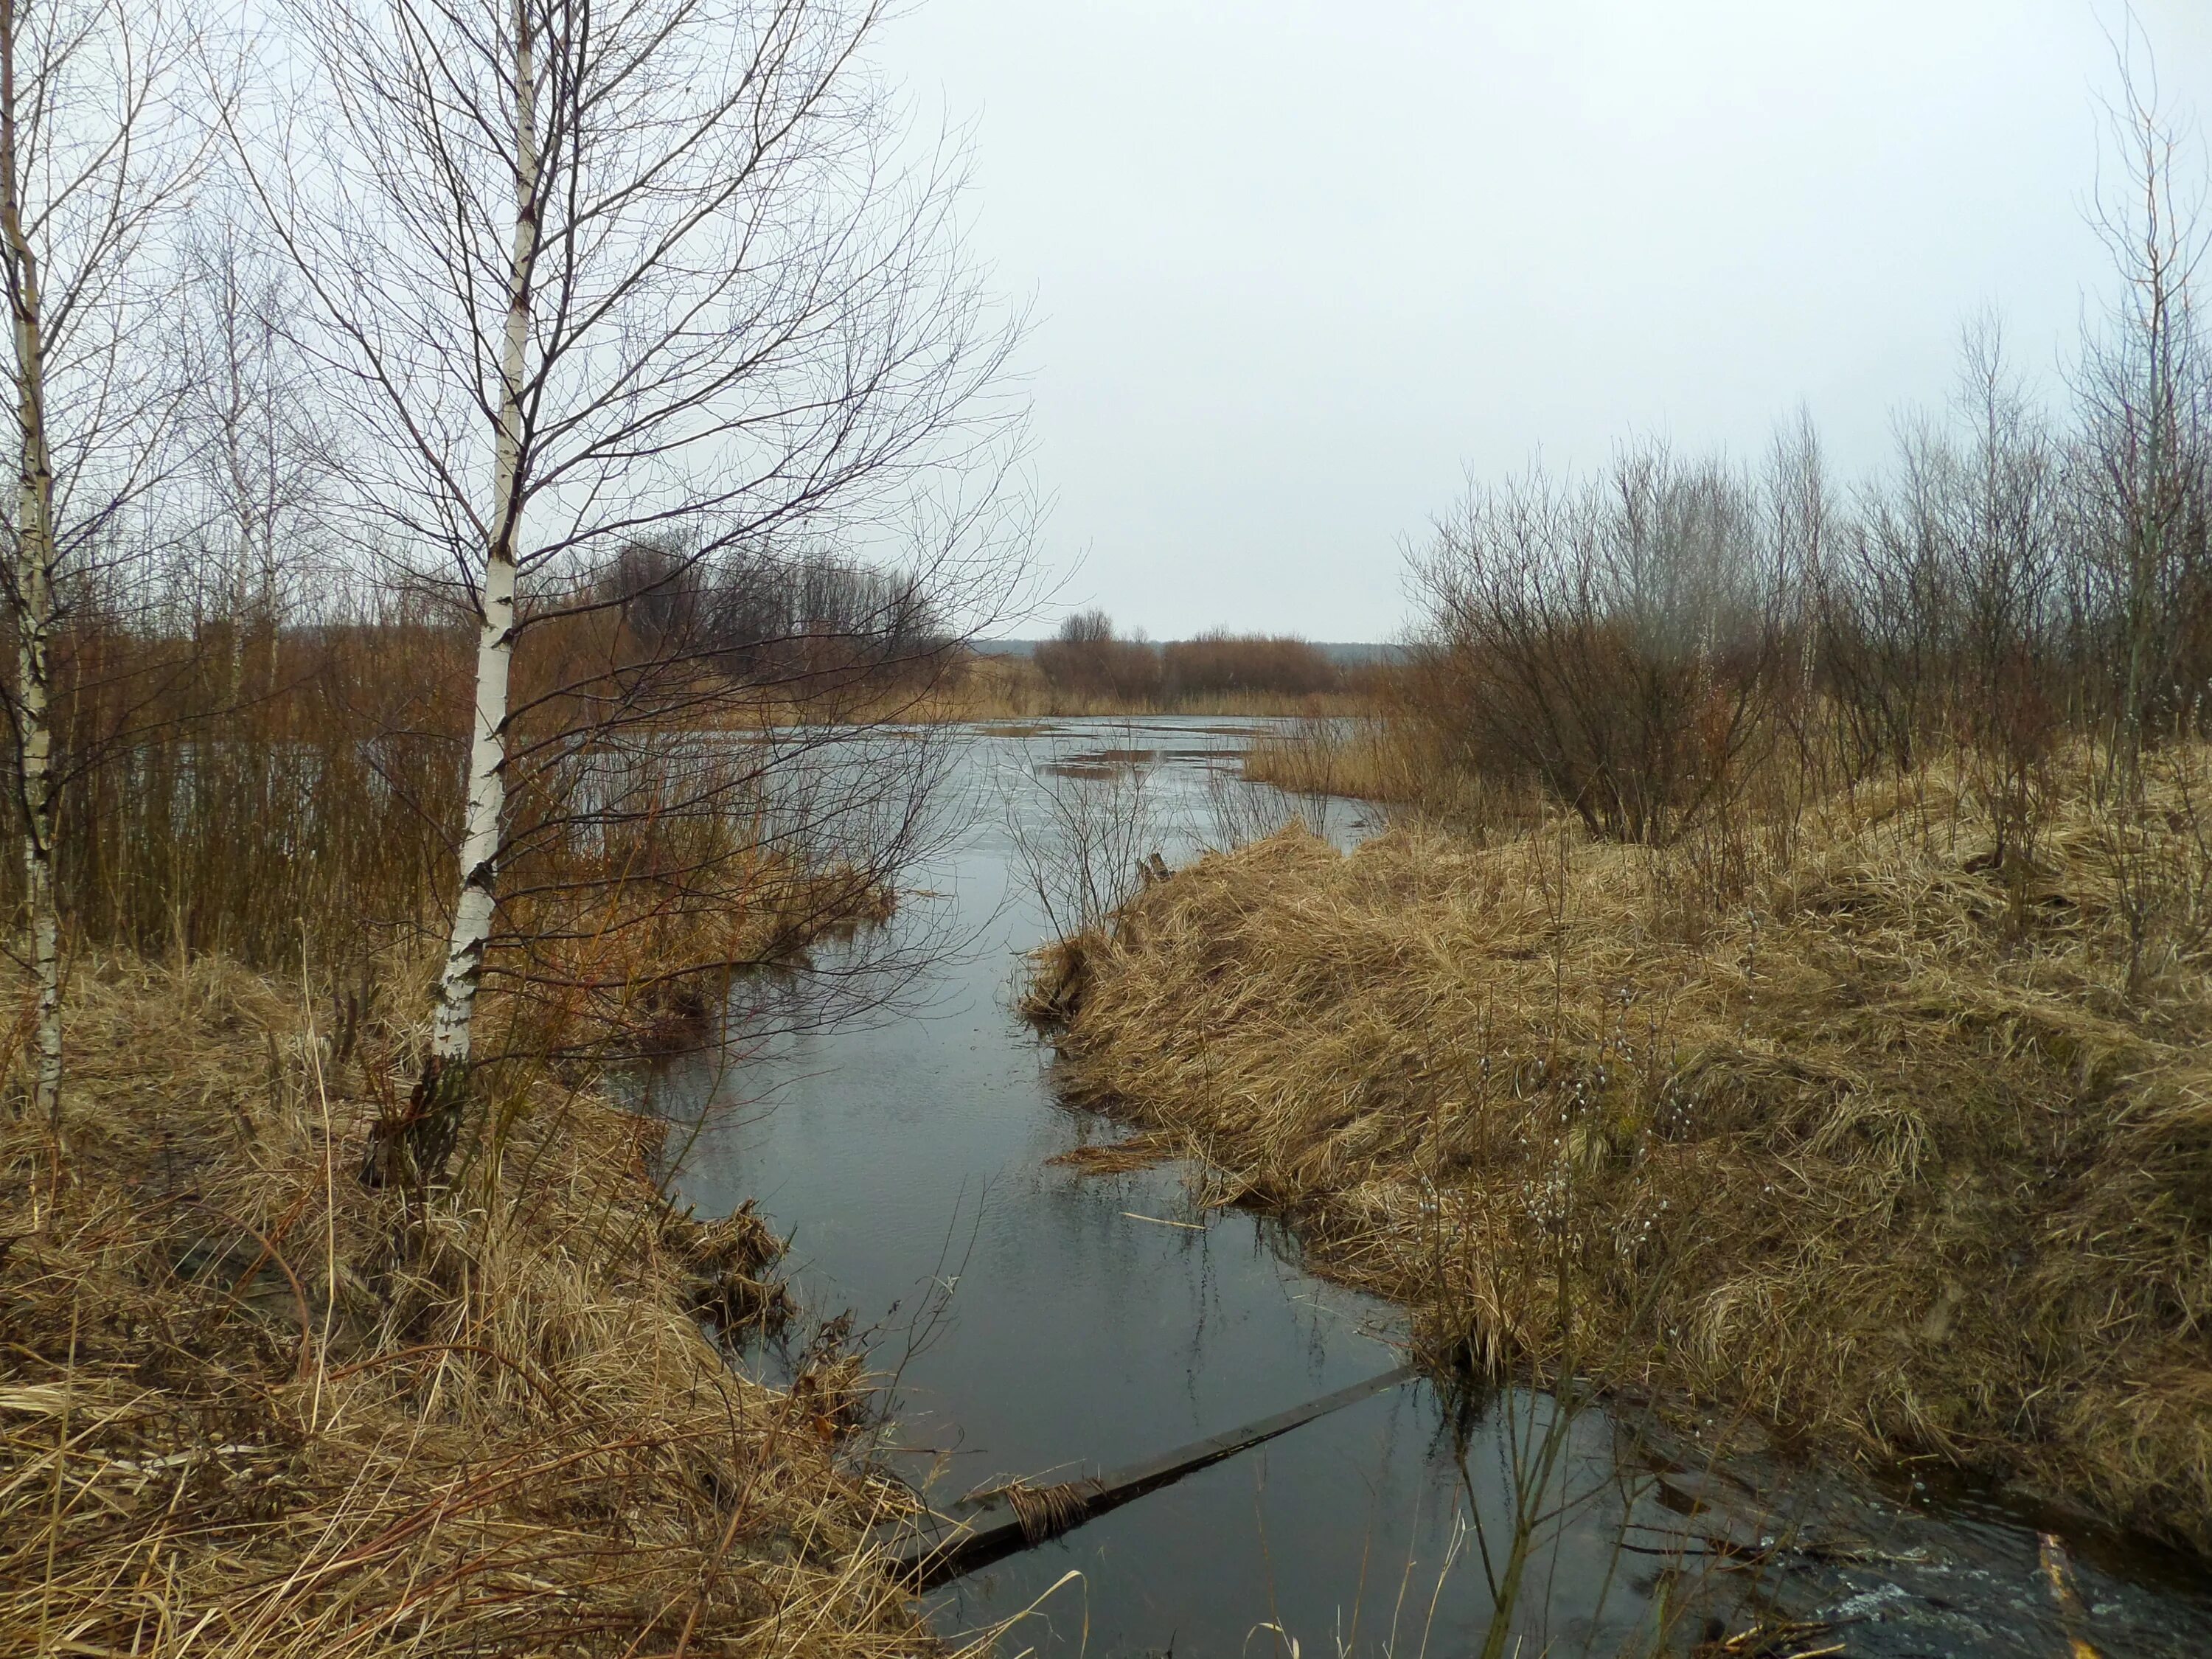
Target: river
point(1037, 1322)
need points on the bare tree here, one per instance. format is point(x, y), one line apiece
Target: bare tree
point(1803, 523)
point(2145, 390)
point(588, 276)
point(96, 157)
point(254, 440)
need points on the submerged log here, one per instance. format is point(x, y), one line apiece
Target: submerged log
point(974, 1532)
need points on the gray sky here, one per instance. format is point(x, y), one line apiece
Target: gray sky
point(1295, 265)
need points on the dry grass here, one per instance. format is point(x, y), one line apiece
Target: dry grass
point(1845, 1124)
point(1364, 759)
point(1377, 756)
point(1140, 1151)
point(248, 1407)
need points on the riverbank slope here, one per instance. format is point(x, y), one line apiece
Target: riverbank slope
point(1899, 1145)
point(248, 1406)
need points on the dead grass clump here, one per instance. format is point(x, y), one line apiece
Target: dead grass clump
point(1897, 1143)
point(727, 1283)
point(247, 1407)
point(1139, 1151)
point(1058, 977)
point(830, 1390)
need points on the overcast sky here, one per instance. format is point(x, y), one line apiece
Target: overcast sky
point(1295, 265)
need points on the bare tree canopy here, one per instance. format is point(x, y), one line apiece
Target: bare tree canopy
point(627, 309)
point(743, 312)
point(97, 157)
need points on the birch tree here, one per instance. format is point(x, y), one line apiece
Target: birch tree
point(96, 157)
point(594, 275)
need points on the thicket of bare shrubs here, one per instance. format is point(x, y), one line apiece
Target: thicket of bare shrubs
point(259, 787)
point(1218, 663)
point(1087, 660)
point(1642, 648)
point(1679, 641)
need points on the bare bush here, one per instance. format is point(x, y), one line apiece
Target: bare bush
point(1607, 641)
point(1218, 663)
point(1088, 659)
point(1086, 835)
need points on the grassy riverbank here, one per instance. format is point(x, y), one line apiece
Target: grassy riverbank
point(1847, 1122)
point(248, 1406)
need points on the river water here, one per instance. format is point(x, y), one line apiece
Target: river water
point(1037, 1322)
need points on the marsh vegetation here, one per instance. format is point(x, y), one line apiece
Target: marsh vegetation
point(509, 513)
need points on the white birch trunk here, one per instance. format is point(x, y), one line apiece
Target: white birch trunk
point(33, 575)
point(487, 787)
point(34, 580)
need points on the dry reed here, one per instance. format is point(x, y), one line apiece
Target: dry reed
point(1369, 759)
point(1852, 1123)
point(1380, 755)
point(247, 1407)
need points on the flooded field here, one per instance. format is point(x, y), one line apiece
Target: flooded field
point(1040, 1323)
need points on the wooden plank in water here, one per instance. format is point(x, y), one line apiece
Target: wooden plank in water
point(974, 1532)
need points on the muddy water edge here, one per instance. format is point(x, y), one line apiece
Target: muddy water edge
point(1036, 1323)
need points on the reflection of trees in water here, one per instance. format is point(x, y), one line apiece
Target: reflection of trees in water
point(1092, 822)
point(1085, 826)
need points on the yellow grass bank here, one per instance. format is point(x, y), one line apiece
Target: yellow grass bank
point(1851, 1126)
point(248, 1407)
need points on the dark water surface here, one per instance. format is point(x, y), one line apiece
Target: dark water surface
point(1050, 1325)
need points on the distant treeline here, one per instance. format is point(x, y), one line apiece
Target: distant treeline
point(1345, 654)
point(808, 625)
point(1089, 659)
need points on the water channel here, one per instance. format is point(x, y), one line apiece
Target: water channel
point(1043, 1323)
